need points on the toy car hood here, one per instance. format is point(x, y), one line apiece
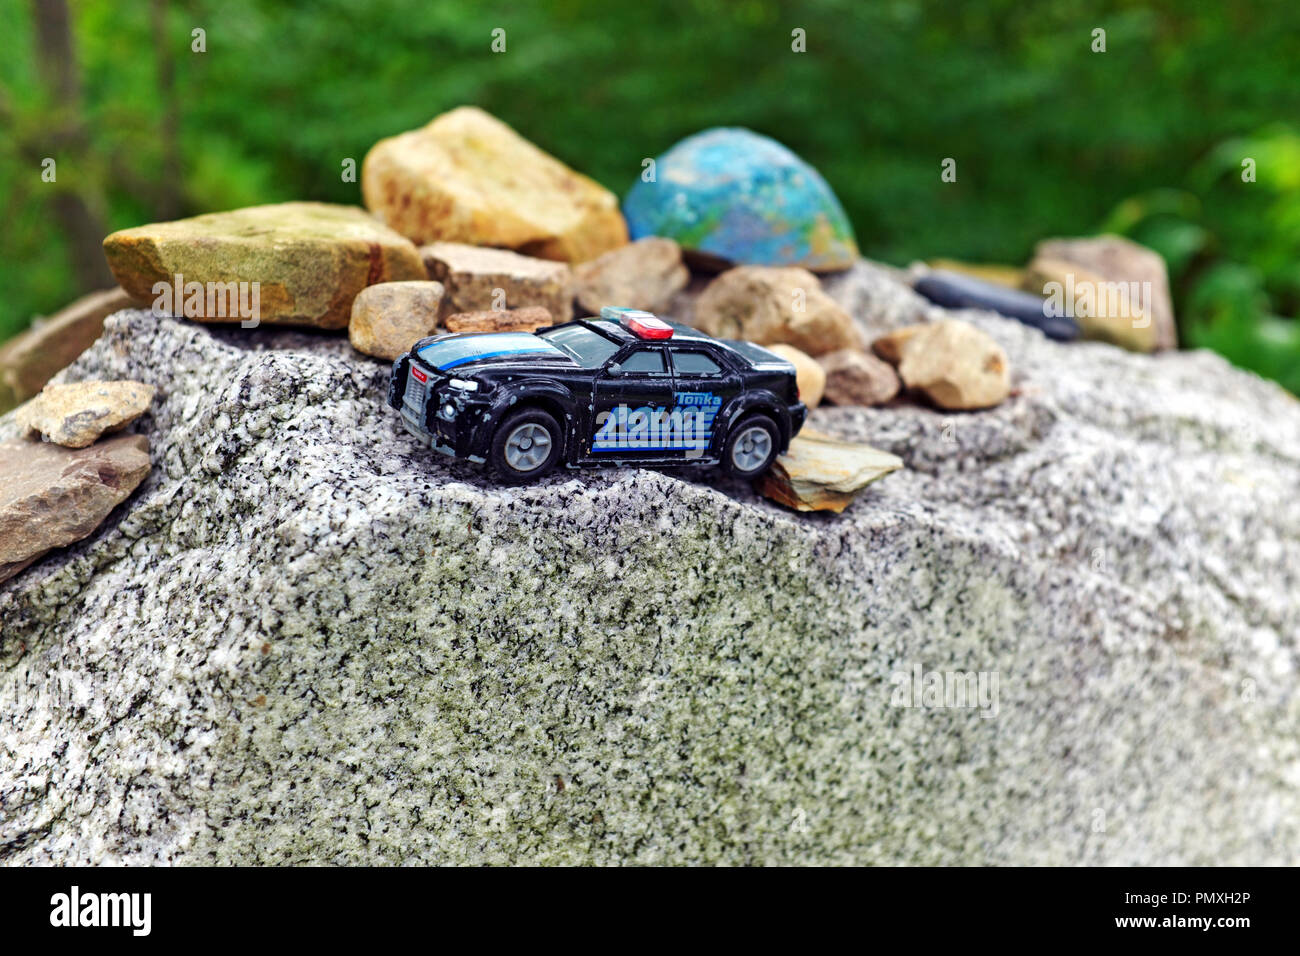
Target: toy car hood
point(447, 352)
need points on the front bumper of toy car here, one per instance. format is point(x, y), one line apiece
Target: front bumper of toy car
point(443, 411)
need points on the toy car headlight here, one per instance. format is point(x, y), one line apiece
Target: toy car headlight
point(463, 385)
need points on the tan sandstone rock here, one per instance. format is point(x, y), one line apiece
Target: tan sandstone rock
point(75, 415)
point(808, 374)
point(643, 275)
point(1106, 310)
point(389, 318)
point(481, 280)
point(953, 363)
point(771, 305)
point(468, 177)
point(890, 346)
point(1121, 260)
point(309, 261)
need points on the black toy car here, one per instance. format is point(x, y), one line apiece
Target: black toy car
point(626, 388)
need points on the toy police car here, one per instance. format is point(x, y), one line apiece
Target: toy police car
point(625, 388)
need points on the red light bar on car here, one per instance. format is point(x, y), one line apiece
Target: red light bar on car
point(641, 324)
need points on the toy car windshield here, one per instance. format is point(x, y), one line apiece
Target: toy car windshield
point(589, 349)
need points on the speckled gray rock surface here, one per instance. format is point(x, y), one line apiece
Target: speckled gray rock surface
point(306, 639)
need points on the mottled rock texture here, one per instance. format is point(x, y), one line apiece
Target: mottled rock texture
point(855, 377)
point(773, 306)
point(952, 363)
point(309, 639)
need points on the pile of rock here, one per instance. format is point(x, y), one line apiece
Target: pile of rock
point(950, 364)
point(469, 227)
point(787, 310)
point(1098, 518)
point(953, 365)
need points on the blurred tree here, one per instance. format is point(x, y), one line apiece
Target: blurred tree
point(76, 201)
point(168, 205)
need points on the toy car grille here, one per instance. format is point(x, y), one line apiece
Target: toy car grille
point(415, 393)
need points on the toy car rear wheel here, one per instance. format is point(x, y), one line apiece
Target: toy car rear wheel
point(751, 447)
point(526, 445)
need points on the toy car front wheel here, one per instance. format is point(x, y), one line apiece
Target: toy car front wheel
point(526, 445)
point(751, 447)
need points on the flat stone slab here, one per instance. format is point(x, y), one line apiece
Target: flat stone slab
point(51, 496)
point(818, 473)
point(528, 319)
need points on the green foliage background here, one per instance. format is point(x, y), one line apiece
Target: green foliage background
point(1050, 138)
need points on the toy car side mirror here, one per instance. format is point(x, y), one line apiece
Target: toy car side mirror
point(614, 368)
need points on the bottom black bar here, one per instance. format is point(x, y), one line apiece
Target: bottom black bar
point(1227, 907)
